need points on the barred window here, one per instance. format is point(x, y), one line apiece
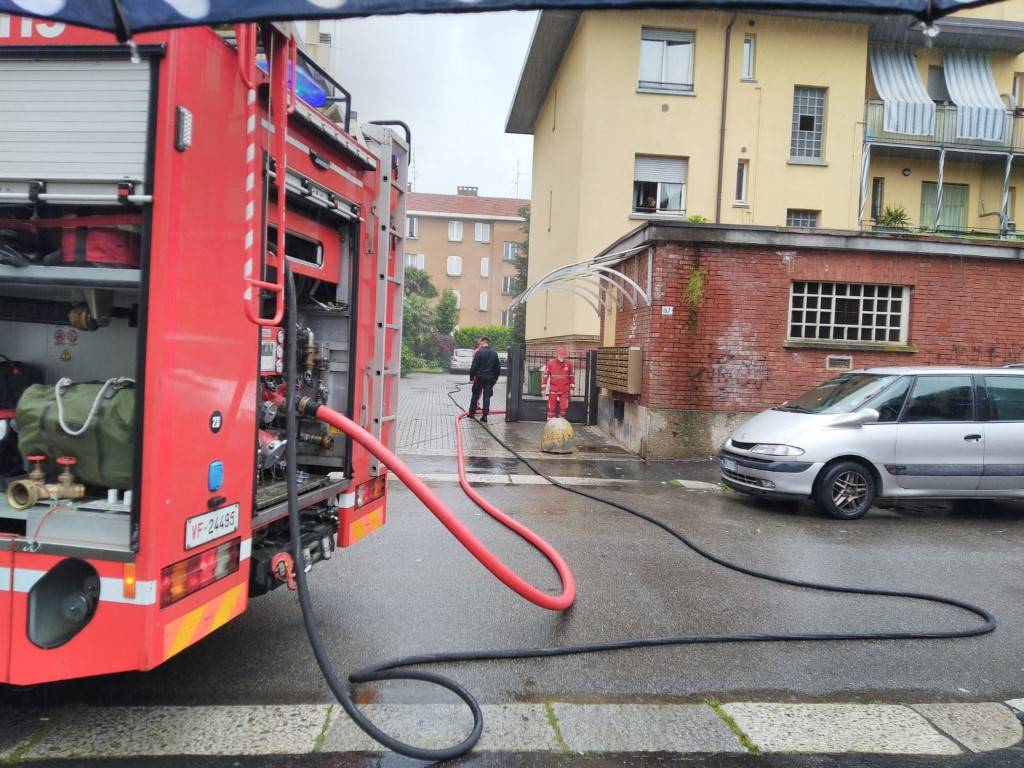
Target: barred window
point(849, 312)
point(800, 218)
point(808, 123)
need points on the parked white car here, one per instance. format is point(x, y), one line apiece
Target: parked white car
point(461, 360)
point(889, 433)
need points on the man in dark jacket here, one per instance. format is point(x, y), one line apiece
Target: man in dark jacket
point(483, 373)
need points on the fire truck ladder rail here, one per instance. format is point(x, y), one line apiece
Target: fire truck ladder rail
point(389, 246)
point(283, 53)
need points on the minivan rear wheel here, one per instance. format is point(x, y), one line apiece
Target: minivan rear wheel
point(846, 490)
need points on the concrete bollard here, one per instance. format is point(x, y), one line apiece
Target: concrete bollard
point(557, 437)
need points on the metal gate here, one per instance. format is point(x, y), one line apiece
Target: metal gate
point(524, 401)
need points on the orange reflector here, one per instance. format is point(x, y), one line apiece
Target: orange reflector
point(128, 581)
point(365, 525)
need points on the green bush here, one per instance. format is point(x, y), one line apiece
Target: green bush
point(411, 362)
point(500, 336)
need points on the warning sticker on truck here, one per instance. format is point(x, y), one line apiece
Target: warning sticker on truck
point(211, 525)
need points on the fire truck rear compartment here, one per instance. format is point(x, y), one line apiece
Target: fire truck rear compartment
point(77, 142)
point(36, 329)
point(47, 326)
point(325, 336)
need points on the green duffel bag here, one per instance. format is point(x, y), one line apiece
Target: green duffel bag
point(93, 422)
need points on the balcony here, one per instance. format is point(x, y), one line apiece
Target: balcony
point(944, 135)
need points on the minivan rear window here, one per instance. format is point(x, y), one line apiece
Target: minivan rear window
point(843, 394)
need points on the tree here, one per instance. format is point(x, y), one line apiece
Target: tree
point(418, 283)
point(417, 325)
point(522, 264)
point(446, 313)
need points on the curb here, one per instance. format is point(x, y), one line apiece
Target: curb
point(510, 479)
point(940, 729)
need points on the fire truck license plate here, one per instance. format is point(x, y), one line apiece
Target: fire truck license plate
point(212, 525)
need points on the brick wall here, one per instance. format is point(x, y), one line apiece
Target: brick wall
point(728, 354)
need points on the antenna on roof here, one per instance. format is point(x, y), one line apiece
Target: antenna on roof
point(518, 174)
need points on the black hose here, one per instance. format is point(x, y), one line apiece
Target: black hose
point(395, 669)
point(338, 688)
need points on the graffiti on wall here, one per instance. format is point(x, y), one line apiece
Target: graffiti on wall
point(977, 354)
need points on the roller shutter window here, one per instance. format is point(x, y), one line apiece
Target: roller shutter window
point(659, 184)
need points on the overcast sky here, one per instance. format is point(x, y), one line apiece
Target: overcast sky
point(452, 78)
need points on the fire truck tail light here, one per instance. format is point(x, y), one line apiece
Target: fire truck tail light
point(188, 576)
point(371, 490)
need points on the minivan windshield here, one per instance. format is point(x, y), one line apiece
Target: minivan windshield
point(843, 394)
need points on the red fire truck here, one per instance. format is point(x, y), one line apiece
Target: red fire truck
point(148, 200)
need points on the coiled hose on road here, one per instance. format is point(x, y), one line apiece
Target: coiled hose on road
point(400, 669)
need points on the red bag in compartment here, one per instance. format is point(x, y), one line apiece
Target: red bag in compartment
point(96, 241)
point(100, 247)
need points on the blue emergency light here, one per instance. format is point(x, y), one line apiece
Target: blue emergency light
point(308, 89)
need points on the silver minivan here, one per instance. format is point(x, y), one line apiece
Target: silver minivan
point(886, 433)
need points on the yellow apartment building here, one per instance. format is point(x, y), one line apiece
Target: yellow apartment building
point(785, 119)
point(469, 244)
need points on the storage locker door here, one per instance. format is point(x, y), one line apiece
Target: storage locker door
point(71, 119)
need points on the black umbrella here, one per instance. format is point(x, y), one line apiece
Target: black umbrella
point(127, 17)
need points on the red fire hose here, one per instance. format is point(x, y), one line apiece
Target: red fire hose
point(476, 548)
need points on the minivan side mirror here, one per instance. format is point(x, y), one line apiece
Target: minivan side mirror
point(856, 419)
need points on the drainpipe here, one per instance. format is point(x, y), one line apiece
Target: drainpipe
point(725, 106)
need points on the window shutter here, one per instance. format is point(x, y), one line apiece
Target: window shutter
point(667, 170)
point(671, 35)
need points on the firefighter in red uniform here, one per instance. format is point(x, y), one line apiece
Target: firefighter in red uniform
point(558, 380)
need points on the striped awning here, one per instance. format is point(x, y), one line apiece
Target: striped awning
point(980, 112)
point(908, 107)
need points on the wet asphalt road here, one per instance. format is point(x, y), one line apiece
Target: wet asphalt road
point(410, 588)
